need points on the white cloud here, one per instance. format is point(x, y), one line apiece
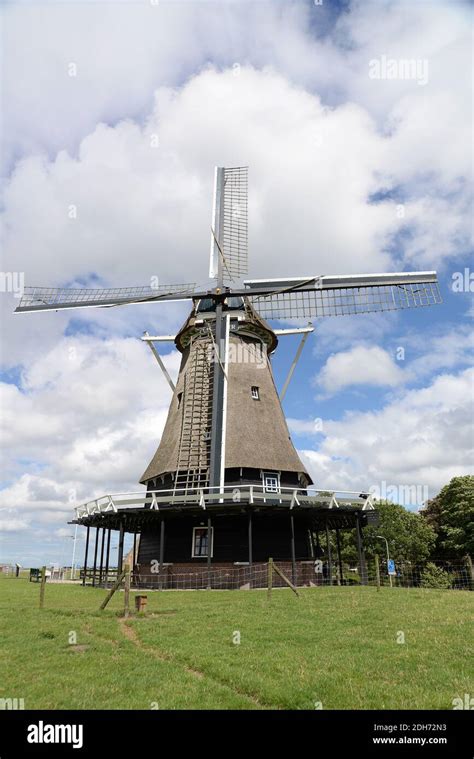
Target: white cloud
point(362, 365)
point(65, 532)
point(413, 357)
point(11, 523)
point(124, 51)
point(422, 438)
point(87, 420)
point(143, 212)
point(439, 229)
point(135, 202)
point(312, 166)
point(304, 427)
point(444, 348)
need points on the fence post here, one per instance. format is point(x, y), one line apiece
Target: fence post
point(112, 590)
point(471, 571)
point(42, 586)
point(270, 578)
point(377, 571)
point(285, 579)
point(126, 609)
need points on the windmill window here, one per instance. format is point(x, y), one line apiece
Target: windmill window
point(255, 393)
point(180, 398)
point(200, 541)
point(271, 482)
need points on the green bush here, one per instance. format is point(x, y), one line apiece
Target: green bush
point(435, 577)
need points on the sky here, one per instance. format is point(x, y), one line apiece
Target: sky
point(355, 120)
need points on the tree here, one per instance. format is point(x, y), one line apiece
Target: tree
point(451, 515)
point(435, 577)
point(409, 536)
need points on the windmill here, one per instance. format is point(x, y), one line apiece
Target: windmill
point(225, 458)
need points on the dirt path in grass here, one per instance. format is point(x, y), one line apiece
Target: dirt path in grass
point(130, 633)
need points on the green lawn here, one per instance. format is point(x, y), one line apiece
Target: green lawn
point(336, 646)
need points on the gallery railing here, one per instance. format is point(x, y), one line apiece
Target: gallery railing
point(250, 494)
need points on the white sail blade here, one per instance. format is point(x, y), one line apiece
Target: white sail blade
point(60, 298)
point(216, 235)
point(328, 281)
point(343, 295)
point(229, 232)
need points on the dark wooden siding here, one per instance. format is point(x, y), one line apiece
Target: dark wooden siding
point(271, 537)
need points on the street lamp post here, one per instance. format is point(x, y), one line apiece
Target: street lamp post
point(388, 557)
point(73, 553)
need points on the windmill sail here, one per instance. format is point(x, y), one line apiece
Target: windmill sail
point(342, 295)
point(229, 233)
point(59, 298)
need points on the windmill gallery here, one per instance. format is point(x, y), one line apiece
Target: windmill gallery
point(226, 489)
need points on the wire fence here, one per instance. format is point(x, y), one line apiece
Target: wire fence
point(9, 570)
point(440, 574)
point(436, 574)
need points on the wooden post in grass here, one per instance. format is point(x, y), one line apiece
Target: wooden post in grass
point(377, 571)
point(339, 559)
point(162, 553)
point(285, 579)
point(293, 553)
point(112, 590)
point(270, 578)
point(471, 572)
point(126, 606)
point(42, 586)
point(329, 555)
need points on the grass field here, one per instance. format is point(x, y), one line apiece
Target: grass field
point(336, 647)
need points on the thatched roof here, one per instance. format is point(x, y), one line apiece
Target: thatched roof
point(257, 435)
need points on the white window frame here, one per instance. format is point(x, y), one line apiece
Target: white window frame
point(256, 394)
point(273, 476)
point(202, 556)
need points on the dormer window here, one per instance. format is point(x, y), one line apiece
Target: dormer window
point(255, 393)
point(271, 482)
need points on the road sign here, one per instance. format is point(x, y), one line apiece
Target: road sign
point(391, 567)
